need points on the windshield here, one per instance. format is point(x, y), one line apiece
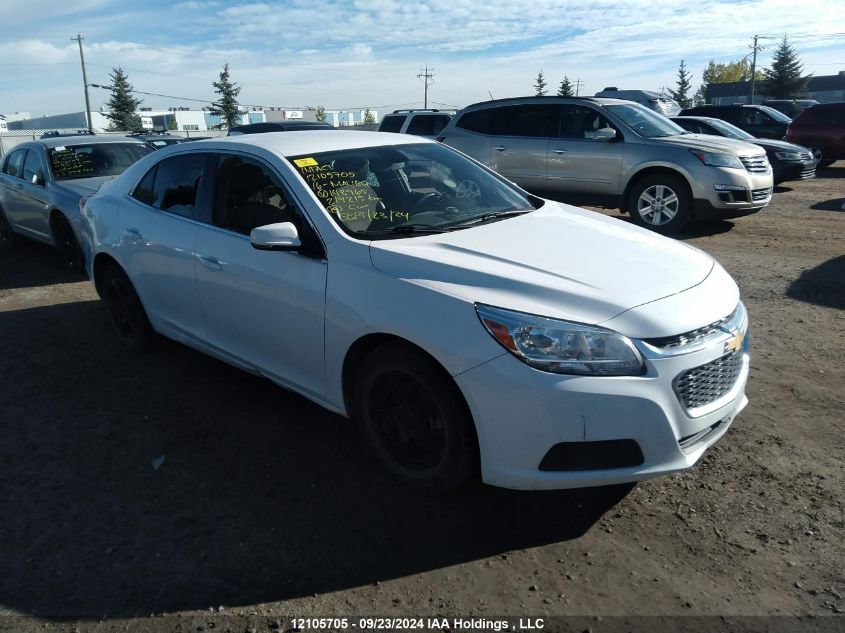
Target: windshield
point(396, 190)
point(775, 114)
point(731, 131)
point(666, 107)
point(94, 159)
point(645, 122)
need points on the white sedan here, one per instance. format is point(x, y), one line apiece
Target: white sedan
point(471, 328)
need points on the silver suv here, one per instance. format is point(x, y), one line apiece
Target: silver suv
point(615, 153)
point(427, 123)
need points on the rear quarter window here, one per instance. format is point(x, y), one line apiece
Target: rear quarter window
point(391, 123)
point(428, 124)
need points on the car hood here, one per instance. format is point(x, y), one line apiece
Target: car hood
point(778, 146)
point(85, 186)
point(711, 143)
point(559, 261)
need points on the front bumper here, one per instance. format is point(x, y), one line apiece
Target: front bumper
point(521, 413)
point(725, 193)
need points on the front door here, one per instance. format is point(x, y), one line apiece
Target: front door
point(264, 308)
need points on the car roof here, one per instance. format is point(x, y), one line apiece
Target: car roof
point(549, 98)
point(307, 142)
point(85, 139)
point(279, 126)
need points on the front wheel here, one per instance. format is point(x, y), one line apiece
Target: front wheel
point(415, 419)
point(68, 246)
point(662, 203)
point(128, 317)
point(8, 238)
point(821, 161)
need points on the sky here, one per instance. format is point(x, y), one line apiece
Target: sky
point(354, 54)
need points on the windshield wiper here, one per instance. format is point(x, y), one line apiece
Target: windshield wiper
point(407, 228)
point(487, 217)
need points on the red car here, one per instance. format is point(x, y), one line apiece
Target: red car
point(822, 129)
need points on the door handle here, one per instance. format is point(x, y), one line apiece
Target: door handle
point(133, 235)
point(500, 148)
point(211, 262)
point(559, 151)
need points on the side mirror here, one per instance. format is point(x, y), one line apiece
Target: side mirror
point(38, 179)
point(604, 134)
point(275, 237)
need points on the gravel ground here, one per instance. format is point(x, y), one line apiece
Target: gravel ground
point(174, 485)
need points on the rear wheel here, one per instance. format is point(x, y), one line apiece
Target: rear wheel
point(128, 317)
point(415, 419)
point(661, 202)
point(8, 238)
point(67, 245)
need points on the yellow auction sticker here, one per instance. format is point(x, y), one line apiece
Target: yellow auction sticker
point(305, 162)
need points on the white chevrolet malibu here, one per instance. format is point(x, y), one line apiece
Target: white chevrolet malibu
point(470, 328)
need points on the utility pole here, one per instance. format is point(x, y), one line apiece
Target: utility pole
point(425, 76)
point(578, 83)
point(78, 40)
point(754, 50)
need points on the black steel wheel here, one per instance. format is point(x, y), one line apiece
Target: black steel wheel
point(415, 419)
point(128, 317)
point(67, 245)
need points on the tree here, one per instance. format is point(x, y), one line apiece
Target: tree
point(565, 89)
point(226, 107)
point(321, 114)
point(714, 73)
point(540, 84)
point(369, 117)
point(784, 79)
point(681, 95)
point(122, 105)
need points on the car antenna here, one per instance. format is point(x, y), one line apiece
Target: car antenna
point(491, 95)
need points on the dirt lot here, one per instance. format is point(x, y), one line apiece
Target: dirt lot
point(266, 507)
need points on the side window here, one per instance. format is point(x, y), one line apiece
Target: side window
point(478, 120)
point(731, 115)
point(581, 122)
point(391, 123)
point(248, 195)
point(144, 189)
point(527, 120)
point(177, 182)
point(32, 167)
point(427, 124)
point(14, 164)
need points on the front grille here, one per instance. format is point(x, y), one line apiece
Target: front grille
point(755, 164)
point(808, 173)
point(694, 336)
point(758, 195)
point(707, 383)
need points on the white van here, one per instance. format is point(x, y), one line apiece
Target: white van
point(657, 101)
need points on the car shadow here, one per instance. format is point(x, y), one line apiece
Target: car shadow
point(823, 285)
point(837, 170)
point(31, 264)
point(836, 204)
point(170, 481)
point(782, 189)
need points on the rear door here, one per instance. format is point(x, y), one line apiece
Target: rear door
point(11, 188)
point(520, 142)
point(34, 197)
point(159, 229)
point(578, 161)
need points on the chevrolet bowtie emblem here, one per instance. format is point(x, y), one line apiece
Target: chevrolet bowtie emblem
point(734, 344)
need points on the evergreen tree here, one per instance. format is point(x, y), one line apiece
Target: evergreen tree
point(122, 105)
point(321, 114)
point(784, 79)
point(681, 95)
point(226, 107)
point(540, 84)
point(369, 117)
point(566, 89)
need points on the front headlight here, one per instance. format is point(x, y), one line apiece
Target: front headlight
point(562, 347)
point(714, 159)
point(788, 155)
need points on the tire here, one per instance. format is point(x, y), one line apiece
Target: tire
point(128, 317)
point(67, 245)
point(415, 420)
point(821, 161)
point(661, 202)
point(8, 238)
